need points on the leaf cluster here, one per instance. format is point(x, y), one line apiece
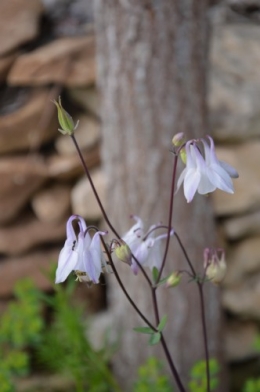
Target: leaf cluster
point(21, 326)
point(198, 382)
point(151, 378)
point(252, 385)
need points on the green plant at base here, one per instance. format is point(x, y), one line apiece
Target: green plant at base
point(67, 350)
point(252, 385)
point(151, 378)
point(20, 328)
point(198, 381)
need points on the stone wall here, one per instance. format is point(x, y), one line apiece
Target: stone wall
point(235, 120)
point(47, 48)
point(44, 53)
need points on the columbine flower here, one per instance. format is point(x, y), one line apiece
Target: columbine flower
point(80, 254)
point(145, 247)
point(205, 173)
point(215, 264)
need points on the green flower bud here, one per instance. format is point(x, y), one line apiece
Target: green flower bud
point(65, 120)
point(177, 141)
point(122, 251)
point(173, 280)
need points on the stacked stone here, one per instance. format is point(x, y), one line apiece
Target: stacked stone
point(235, 119)
point(42, 181)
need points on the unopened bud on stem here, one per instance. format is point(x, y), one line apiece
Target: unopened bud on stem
point(173, 280)
point(65, 120)
point(122, 251)
point(178, 140)
point(215, 264)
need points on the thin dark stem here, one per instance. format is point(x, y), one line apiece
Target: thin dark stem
point(205, 338)
point(202, 306)
point(164, 344)
point(155, 305)
point(124, 289)
point(185, 254)
point(142, 270)
point(93, 187)
point(169, 217)
point(171, 364)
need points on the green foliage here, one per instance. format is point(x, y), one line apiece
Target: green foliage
point(62, 346)
point(20, 328)
point(252, 385)
point(155, 335)
point(151, 378)
point(257, 343)
point(198, 376)
point(67, 350)
point(22, 323)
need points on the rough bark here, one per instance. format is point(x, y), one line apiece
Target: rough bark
point(152, 59)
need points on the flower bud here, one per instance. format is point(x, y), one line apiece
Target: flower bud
point(122, 251)
point(215, 264)
point(65, 120)
point(178, 139)
point(173, 280)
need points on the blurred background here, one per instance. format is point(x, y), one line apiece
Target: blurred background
point(47, 49)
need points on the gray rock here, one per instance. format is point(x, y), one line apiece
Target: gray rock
point(83, 200)
point(246, 159)
point(52, 204)
point(87, 134)
point(19, 23)
point(33, 265)
point(27, 233)
point(20, 177)
point(234, 82)
point(239, 340)
point(242, 226)
point(67, 61)
point(243, 300)
point(243, 261)
point(87, 98)
point(23, 128)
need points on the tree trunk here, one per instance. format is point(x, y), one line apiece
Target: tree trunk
point(152, 63)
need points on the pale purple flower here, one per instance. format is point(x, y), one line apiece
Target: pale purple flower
point(145, 247)
point(205, 173)
point(80, 253)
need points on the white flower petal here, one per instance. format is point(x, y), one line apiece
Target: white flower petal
point(229, 169)
point(66, 263)
point(191, 183)
point(134, 235)
point(220, 179)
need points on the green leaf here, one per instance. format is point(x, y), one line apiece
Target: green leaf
point(146, 330)
point(155, 338)
point(155, 273)
point(162, 323)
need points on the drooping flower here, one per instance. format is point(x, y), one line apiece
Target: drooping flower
point(215, 264)
point(80, 254)
point(204, 173)
point(144, 246)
